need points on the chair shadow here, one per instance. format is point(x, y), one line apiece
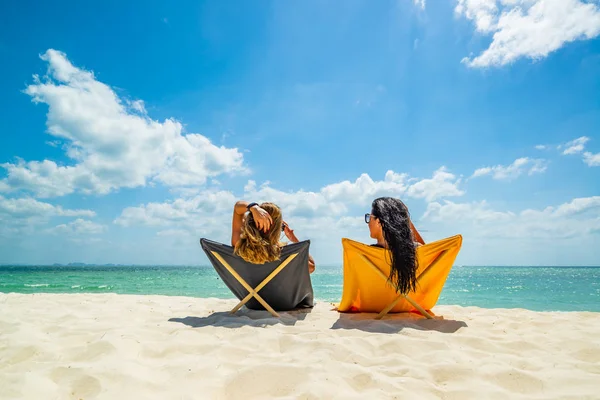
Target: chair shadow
point(394, 323)
point(245, 317)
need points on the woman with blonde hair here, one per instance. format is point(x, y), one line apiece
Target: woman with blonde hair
point(255, 232)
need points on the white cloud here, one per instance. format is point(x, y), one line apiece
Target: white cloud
point(53, 143)
point(577, 218)
point(336, 210)
point(204, 209)
point(528, 28)
point(442, 184)
point(575, 206)
point(362, 191)
point(475, 212)
point(138, 105)
point(28, 207)
point(514, 170)
point(111, 141)
point(332, 212)
point(482, 12)
point(575, 146)
point(541, 147)
point(47, 179)
point(336, 198)
point(592, 160)
point(79, 227)
point(20, 216)
point(420, 3)
point(364, 188)
point(301, 203)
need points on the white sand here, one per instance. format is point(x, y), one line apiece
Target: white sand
point(108, 346)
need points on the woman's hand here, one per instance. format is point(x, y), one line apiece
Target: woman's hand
point(289, 233)
point(292, 238)
point(262, 219)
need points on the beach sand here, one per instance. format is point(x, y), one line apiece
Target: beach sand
point(105, 346)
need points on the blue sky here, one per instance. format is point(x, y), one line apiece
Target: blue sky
point(128, 130)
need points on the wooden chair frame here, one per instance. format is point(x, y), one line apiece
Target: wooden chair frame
point(416, 305)
point(253, 292)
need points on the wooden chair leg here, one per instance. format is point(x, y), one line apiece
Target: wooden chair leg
point(253, 292)
point(397, 299)
point(418, 307)
point(388, 308)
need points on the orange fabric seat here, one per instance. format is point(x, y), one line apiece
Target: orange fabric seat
point(366, 269)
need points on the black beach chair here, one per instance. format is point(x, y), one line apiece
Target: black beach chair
point(283, 285)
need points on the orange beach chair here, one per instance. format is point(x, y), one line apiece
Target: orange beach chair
point(366, 271)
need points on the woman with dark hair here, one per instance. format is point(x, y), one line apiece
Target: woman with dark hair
point(390, 224)
point(256, 230)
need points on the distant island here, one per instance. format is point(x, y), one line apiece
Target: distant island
point(81, 264)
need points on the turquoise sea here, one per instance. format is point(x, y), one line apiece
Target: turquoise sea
point(534, 288)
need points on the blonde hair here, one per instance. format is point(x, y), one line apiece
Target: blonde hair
point(256, 246)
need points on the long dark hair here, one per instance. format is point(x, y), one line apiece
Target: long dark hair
point(395, 223)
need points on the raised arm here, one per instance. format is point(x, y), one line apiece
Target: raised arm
point(261, 217)
point(292, 237)
point(416, 234)
point(239, 209)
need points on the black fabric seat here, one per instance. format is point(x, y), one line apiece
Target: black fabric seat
point(289, 289)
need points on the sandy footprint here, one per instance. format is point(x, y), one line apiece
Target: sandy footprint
point(265, 381)
point(77, 384)
point(92, 352)
point(518, 382)
point(447, 373)
point(21, 355)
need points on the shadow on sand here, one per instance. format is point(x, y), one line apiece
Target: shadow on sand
point(394, 323)
point(245, 317)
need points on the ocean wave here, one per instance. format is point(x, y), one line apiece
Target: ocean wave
point(37, 284)
point(91, 287)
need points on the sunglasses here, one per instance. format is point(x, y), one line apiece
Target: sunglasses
point(368, 217)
